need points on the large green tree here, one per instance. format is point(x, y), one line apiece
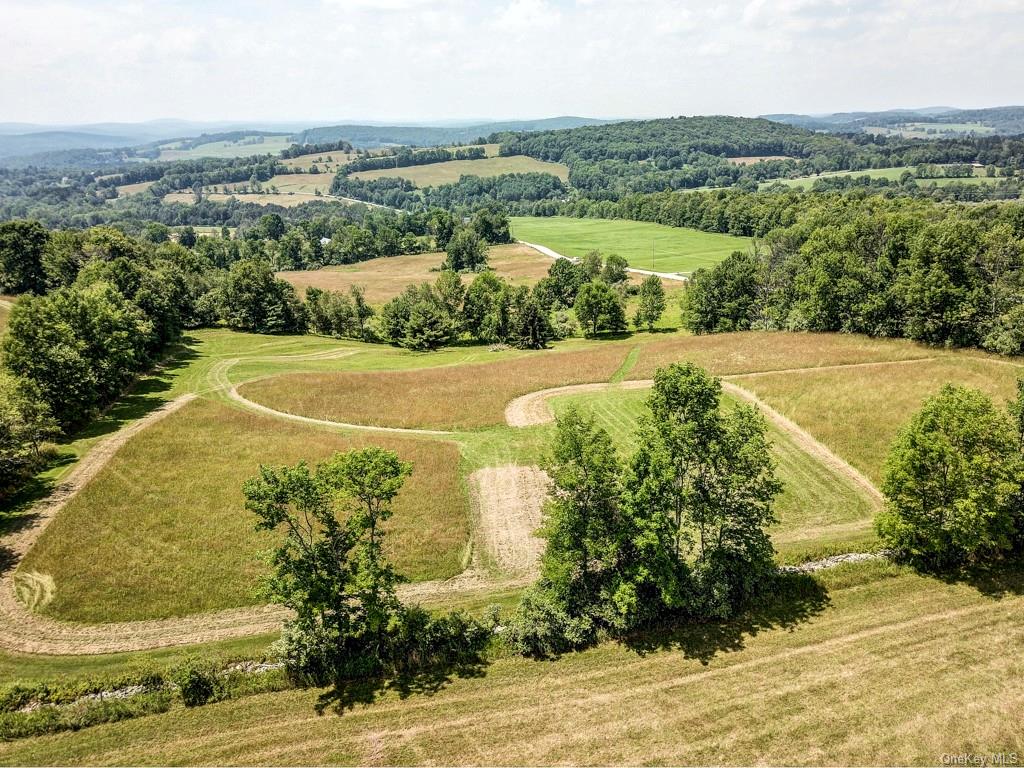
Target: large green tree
point(952, 482)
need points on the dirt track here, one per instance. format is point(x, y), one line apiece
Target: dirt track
point(508, 502)
point(533, 409)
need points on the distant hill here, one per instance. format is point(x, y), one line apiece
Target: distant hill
point(1002, 120)
point(369, 136)
point(19, 144)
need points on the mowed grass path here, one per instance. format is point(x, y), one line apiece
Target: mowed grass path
point(447, 397)
point(675, 249)
point(162, 531)
point(818, 513)
point(858, 412)
point(451, 171)
point(869, 665)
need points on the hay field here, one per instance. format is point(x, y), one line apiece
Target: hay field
point(168, 511)
point(387, 277)
point(449, 172)
point(864, 665)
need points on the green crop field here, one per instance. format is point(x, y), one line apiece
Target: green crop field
point(450, 172)
point(643, 245)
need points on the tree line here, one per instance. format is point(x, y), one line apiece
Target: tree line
point(938, 275)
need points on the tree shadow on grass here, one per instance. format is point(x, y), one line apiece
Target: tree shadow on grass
point(345, 695)
point(144, 395)
point(793, 599)
point(997, 580)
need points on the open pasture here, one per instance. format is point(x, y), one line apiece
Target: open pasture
point(863, 665)
point(127, 190)
point(162, 530)
point(387, 277)
point(449, 172)
point(857, 412)
point(451, 397)
point(642, 244)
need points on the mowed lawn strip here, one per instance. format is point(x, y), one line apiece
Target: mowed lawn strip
point(162, 531)
point(675, 249)
point(872, 667)
point(451, 171)
point(388, 276)
point(818, 513)
point(857, 412)
point(446, 397)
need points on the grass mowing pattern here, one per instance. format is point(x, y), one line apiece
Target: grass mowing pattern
point(449, 172)
point(818, 512)
point(868, 664)
point(858, 412)
point(162, 531)
point(675, 249)
point(447, 397)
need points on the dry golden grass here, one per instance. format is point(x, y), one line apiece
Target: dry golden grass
point(162, 531)
point(289, 183)
point(857, 412)
point(387, 277)
point(6, 303)
point(319, 159)
point(449, 172)
point(126, 190)
point(446, 397)
point(881, 667)
point(731, 353)
point(284, 200)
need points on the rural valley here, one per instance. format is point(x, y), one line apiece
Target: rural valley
point(659, 439)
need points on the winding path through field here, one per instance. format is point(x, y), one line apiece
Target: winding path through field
point(556, 255)
point(507, 501)
point(533, 409)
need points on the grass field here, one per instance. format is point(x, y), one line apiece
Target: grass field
point(449, 397)
point(127, 190)
point(818, 512)
point(450, 172)
point(270, 145)
point(674, 249)
point(168, 510)
point(867, 665)
point(892, 174)
point(5, 311)
point(286, 200)
point(387, 277)
point(865, 408)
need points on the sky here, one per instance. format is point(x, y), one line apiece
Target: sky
point(67, 62)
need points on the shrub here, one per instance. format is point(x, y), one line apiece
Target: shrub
point(197, 680)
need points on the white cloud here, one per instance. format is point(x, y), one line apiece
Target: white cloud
point(85, 60)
